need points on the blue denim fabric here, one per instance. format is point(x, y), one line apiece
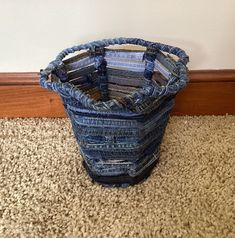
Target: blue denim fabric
point(125, 138)
point(119, 132)
point(116, 59)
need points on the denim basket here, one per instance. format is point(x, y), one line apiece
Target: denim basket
point(119, 101)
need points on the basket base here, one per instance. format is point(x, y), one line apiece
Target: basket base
point(120, 180)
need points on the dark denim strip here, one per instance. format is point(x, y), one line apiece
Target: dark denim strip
point(121, 180)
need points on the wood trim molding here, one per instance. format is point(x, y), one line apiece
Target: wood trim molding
point(225, 75)
point(21, 78)
point(210, 92)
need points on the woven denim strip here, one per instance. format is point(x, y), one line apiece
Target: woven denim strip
point(119, 60)
point(129, 141)
point(102, 168)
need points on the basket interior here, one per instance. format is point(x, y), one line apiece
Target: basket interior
point(125, 72)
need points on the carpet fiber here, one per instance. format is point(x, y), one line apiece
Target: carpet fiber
point(45, 192)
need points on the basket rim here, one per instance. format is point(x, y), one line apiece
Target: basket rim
point(150, 90)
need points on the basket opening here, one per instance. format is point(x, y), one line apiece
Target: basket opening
point(124, 73)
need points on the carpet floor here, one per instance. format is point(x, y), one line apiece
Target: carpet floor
point(45, 192)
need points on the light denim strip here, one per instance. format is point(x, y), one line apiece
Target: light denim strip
point(126, 65)
point(129, 55)
point(138, 66)
point(138, 56)
point(86, 121)
point(80, 64)
point(164, 71)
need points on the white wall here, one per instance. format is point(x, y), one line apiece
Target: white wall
point(32, 32)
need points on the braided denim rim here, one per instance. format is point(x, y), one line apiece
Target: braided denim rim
point(150, 89)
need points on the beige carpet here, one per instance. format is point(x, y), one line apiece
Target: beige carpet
point(191, 192)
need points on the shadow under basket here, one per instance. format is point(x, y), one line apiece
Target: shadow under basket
point(119, 102)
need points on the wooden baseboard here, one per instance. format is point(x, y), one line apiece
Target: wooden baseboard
point(210, 92)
